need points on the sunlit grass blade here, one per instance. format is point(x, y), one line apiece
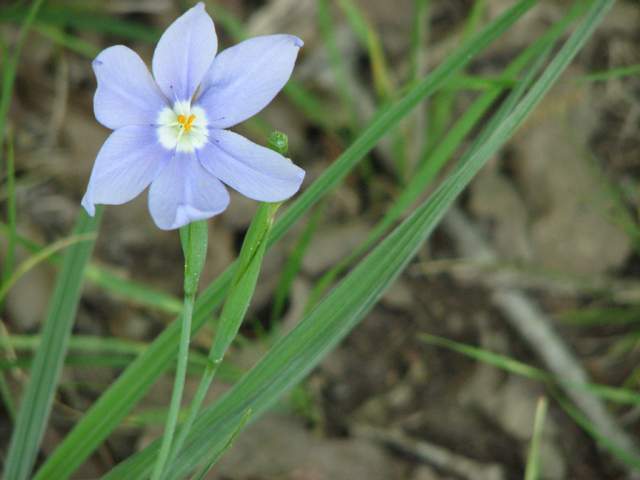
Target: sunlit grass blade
point(370, 39)
point(87, 19)
point(587, 426)
point(9, 258)
point(132, 384)
point(293, 265)
point(297, 353)
point(622, 396)
point(38, 398)
point(532, 470)
point(101, 351)
point(34, 260)
point(134, 291)
point(343, 81)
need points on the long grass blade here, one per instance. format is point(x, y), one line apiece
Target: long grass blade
point(38, 399)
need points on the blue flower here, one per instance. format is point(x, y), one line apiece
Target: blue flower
point(169, 128)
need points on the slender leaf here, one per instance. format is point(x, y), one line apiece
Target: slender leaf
point(38, 398)
point(532, 471)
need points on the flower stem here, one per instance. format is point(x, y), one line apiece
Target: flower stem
point(178, 387)
point(194, 245)
point(234, 310)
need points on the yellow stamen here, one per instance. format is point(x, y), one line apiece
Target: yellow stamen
point(187, 125)
point(182, 119)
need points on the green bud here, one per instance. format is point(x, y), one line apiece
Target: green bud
point(278, 142)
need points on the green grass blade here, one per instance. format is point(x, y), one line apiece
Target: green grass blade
point(132, 384)
point(618, 395)
point(218, 453)
point(10, 66)
point(38, 398)
point(532, 470)
point(33, 261)
point(70, 17)
point(7, 267)
point(134, 291)
point(586, 425)
point(343, 82)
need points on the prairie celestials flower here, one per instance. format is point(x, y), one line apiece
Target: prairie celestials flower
point(169, 129)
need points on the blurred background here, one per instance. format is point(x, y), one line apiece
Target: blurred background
point(554, 216)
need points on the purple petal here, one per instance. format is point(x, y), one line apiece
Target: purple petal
point(184, 54)
point(127, 93)
point(127, 163)
point(254, 171)
point(185, 192)
point(244, 79)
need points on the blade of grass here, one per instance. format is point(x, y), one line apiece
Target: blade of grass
point(293, 264)
point(370, 39)
point(618, 395)
point(9, 258)
point(532, 470)
point(587, 426)
point(10, 63)
point(7, 268)
point(33, 261)
point(216, 456)
point(132, 384)
point(38, 398)
point(72, 17)
point(137, 292)
point(343, 82)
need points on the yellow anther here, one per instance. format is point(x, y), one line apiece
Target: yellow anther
point(187, 126)
point(182, 119)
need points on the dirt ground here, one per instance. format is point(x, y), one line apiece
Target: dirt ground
point(541, 251)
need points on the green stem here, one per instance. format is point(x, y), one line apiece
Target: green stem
point(194, 245)
point(233, 312)
point(178, 387)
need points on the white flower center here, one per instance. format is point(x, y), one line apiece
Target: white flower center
point(182, 128)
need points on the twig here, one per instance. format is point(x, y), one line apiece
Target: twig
point(434, 455)
point(533, 326)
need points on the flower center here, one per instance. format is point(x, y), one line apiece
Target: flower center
point(182, 128)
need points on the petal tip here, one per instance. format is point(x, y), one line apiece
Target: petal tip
point(88, 205)
point(297, 42)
